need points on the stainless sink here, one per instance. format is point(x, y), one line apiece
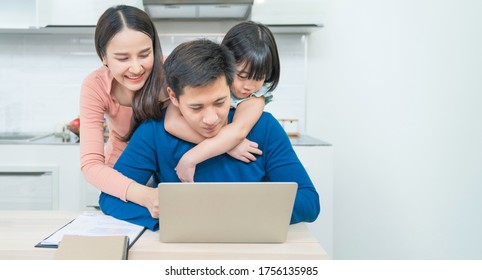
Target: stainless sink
point(16, 137)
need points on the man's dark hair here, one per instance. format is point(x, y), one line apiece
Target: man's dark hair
point(198, 63)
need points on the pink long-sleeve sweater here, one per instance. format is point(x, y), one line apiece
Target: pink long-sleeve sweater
point(97, 160)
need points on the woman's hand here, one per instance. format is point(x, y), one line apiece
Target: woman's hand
point(245, 151)
point(152, 201)
point(144, 196)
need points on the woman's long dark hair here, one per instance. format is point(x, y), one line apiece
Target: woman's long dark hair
point(146, 102)
point(254, 45)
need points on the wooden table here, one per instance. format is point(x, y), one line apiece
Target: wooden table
point(20, 231)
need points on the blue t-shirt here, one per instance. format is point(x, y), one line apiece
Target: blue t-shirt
point(153, 150)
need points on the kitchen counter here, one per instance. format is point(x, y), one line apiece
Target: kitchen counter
point(44, 139)
point(72, 139)
point(306, 140)
point(52, 139)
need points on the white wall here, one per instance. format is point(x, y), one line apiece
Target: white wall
point(41, 74)
point(396, 87)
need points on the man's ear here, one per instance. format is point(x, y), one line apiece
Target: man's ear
point(172, 97)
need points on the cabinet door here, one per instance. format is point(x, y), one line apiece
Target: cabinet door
point(16, 14)
point(318, 162)
point(288, 12)
point(76, 12)
point(27, 188)
point(91, 194)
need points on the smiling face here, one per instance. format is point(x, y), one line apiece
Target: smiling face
point(205, 108)
point(242, 86)
point(130, 58)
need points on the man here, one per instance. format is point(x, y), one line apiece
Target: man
point(199, 74)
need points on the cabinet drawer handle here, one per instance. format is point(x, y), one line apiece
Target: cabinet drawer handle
point(23, 173)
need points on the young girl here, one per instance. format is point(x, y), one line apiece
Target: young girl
point(258, 71)
point(126, 90)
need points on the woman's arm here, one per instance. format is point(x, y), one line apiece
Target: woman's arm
point(94, 103)
point(234, 134)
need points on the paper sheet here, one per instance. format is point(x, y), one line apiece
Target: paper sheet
point(94, 224)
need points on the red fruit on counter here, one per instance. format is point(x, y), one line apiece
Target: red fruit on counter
point(74, 126)
point(75, 122)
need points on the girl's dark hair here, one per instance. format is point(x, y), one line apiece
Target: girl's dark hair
point(254, 45)
point(146, 102)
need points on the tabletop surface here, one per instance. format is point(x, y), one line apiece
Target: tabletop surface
point(22, 230)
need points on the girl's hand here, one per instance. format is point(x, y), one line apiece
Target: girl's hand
point(185, 169)
point(245, 151)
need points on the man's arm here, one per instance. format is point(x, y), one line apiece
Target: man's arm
point(139, 159)
point(283, 165)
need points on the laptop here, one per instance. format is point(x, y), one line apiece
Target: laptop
point(225, 212)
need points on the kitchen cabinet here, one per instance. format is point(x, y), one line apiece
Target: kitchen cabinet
point(16, 14)
point(35, 14)
point(29, 187)
point(76, 12)
point(49, 173)
point(287, 16)
point(91, 194)
point(318, 162)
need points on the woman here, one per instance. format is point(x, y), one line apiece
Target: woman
point(126, 90)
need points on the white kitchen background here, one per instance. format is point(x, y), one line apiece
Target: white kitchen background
point(41, 74)
point(393, 85)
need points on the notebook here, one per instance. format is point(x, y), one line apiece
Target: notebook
point(78, 247)
point(225, 212)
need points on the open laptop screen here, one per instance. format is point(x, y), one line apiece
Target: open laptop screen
point(257, 212)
